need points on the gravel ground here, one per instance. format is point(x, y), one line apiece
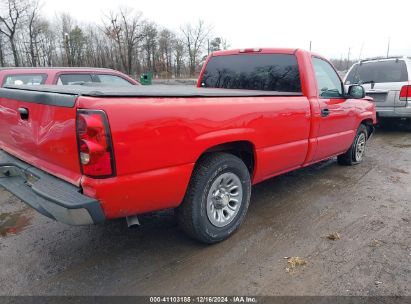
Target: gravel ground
point(366, 208)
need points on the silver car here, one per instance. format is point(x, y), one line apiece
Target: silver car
point(388, 82)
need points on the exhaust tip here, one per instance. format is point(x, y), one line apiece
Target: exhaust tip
point(132, 222)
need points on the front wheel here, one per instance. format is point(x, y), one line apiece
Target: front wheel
point(217, 198)
point(356, 153)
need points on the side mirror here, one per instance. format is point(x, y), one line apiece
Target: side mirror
point(356, 91)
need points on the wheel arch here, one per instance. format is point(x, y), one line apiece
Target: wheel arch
point(369, 124)
point(243, 149)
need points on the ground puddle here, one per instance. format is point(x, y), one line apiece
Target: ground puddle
point(12, 223)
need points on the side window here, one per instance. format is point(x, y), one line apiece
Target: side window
point(328, 82)
point(73, 79)
point(111, 79)
point(25, 79)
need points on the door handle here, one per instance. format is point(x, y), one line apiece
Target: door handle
point(325, 112)
point(24, 113)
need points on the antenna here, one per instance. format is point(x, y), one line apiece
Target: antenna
point(362, 46)
point(310, 45)
point(388, 48)
point(348, 57)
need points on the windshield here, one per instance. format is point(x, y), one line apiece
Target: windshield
point(378, 72)
point(267, 72)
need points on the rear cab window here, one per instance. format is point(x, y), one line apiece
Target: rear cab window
point(378, 72)
point(267, 72)
point(25, 79)
point(73, 79)
point(111, 79)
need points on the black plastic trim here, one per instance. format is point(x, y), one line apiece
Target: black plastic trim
point(46, 189)
point(66, 100)
point(183, 91)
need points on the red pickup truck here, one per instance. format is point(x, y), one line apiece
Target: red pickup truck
point(84, 154)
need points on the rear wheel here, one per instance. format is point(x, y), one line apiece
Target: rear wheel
point(356, 153)
point(217, 198)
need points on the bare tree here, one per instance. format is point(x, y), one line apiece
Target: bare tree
point(124, 42)
point(125, 29)
point(195, 38)
point(178, 51)
point(218, 44)
point(10, 21)
point(2, 51)
point(149, 46)
point(65, 24)
point(47, 45)
point(93, 55)
point(165, 45)
point(341, 64)
point(35, 28)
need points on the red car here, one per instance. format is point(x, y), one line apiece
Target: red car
point(82, 154)
point(62, 76)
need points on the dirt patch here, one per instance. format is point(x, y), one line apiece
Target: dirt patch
point(396, 170)
point(394, 179)
point(402, 145)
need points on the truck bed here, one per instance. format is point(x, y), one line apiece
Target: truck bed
point(96, 90)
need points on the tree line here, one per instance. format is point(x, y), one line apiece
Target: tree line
point(124, 41)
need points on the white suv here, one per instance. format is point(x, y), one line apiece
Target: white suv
point(388, 82)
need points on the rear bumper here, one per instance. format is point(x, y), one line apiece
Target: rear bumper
point(394, 112)
point(47, 194)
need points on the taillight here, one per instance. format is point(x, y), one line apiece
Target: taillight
point(405, 93)
point(255, 50)
point(95, 144)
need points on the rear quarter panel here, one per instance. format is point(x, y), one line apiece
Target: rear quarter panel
point(158, 140)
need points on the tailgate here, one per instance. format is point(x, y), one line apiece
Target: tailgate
point(386, 94)
point(40, 129)
point(382, 98)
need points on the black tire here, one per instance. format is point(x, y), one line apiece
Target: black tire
point(350, 157)
point(192, 213)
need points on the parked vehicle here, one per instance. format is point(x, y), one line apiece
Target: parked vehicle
point(82, 154)
point(63, 76)
point(388, 82)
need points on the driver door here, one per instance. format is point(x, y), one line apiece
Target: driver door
point(337, 117)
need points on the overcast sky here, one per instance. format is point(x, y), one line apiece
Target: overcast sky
point(332, 26)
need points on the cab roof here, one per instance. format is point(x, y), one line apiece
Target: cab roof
point(255, 51)
point(288, 51)
point(45, 69)
point(376, 59)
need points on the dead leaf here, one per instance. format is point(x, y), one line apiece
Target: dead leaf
point(375, 243)
point(334, 236)
point(293, 263)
